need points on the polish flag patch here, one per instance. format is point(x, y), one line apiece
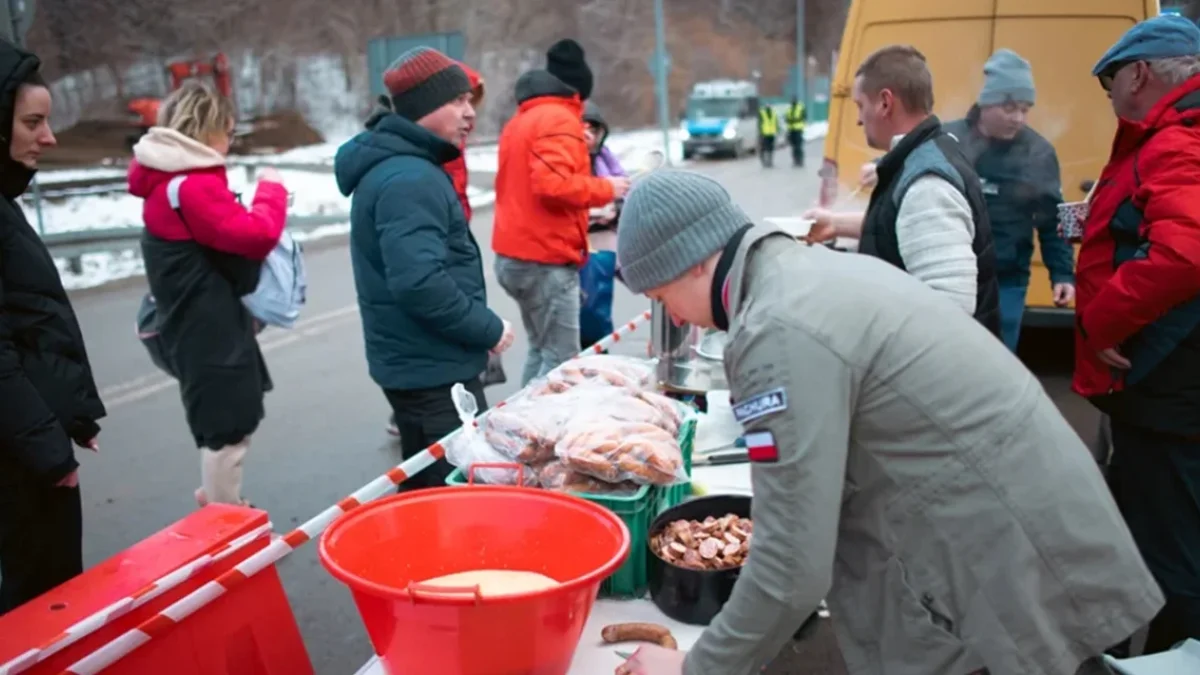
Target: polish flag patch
point(760, 447)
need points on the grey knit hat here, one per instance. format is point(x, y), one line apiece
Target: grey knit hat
point(1007, 77)
point(672, 221)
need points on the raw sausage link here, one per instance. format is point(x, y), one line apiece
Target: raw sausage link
point(639, 632)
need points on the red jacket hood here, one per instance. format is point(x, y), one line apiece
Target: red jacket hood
point(477, 84)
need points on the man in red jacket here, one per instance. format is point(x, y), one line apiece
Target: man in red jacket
point(457, 168)
point(544, 188)
point(1137, 345)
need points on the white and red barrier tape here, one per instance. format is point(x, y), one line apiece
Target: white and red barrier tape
point(129, 603)
point(165, 620)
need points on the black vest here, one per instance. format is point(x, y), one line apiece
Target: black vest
point(928, 150)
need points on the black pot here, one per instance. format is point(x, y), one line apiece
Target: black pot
point(687, 595)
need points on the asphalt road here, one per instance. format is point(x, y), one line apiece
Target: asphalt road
point(324, 435)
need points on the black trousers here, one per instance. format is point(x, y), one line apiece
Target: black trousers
point(41, 536)
point(796, 139)
point(423, 417)
point(766, 150)
point(1155, 479)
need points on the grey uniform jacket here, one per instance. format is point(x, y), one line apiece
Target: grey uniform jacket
point(925, 482)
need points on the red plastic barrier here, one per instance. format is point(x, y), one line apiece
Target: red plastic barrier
point(248, 631)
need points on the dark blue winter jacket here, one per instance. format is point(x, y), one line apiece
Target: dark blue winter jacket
point(1023, 189)
point(417, 268)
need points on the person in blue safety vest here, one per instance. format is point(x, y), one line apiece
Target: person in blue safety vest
point(768, 127)
point(795, 118)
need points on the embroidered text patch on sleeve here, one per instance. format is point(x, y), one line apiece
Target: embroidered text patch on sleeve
point(764, 404)
point(760, 447)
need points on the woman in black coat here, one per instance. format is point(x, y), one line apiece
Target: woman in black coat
point(203, 251)
point(47, 395)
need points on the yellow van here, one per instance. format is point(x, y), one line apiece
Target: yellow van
point(1062, 39)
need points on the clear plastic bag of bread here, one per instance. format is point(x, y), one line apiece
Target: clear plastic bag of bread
point(469, 446)
point(617, 371)
point(557, 476)
point(594, 401)
point(525, 430)
point(615, 452)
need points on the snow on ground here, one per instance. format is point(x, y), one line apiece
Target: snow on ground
point(52, 176)
point(314, 193)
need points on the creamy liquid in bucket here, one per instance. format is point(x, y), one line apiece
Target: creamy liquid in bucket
point(495, 582)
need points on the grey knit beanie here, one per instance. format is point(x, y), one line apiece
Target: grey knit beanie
point(1007, 77)
point(672, 221)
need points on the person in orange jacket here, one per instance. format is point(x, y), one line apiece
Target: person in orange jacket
point(544, 188)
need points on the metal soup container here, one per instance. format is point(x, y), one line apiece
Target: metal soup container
point(690, 359)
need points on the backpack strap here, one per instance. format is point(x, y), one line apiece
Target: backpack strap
point(173, 189)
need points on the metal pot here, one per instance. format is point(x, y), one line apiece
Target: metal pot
point(690, 358)
point(692, 596)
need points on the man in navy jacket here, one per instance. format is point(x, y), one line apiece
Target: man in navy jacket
point(417, 267)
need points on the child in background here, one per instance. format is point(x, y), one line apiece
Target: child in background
point(597, 274)
point(604, 161)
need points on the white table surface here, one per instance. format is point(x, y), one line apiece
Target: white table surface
point(593, 657)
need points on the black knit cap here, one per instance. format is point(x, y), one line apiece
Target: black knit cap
point(565, 60)
point(423, 80)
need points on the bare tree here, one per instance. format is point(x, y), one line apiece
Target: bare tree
point(706, 39)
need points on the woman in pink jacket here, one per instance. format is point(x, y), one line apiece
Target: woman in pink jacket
point(203, 251)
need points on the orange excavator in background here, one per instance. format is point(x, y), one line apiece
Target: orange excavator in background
point(146, 108)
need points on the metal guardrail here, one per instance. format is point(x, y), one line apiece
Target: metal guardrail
point(80, 187)
point(73, 245)
point(119, 184)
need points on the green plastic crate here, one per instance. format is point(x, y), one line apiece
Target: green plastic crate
point(677, 494)
point(636, 511)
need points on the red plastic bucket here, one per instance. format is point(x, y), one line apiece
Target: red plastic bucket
point(383, 550)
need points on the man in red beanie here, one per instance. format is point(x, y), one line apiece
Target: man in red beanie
point(544, 189)
point(417, 268)
point(457, 169)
